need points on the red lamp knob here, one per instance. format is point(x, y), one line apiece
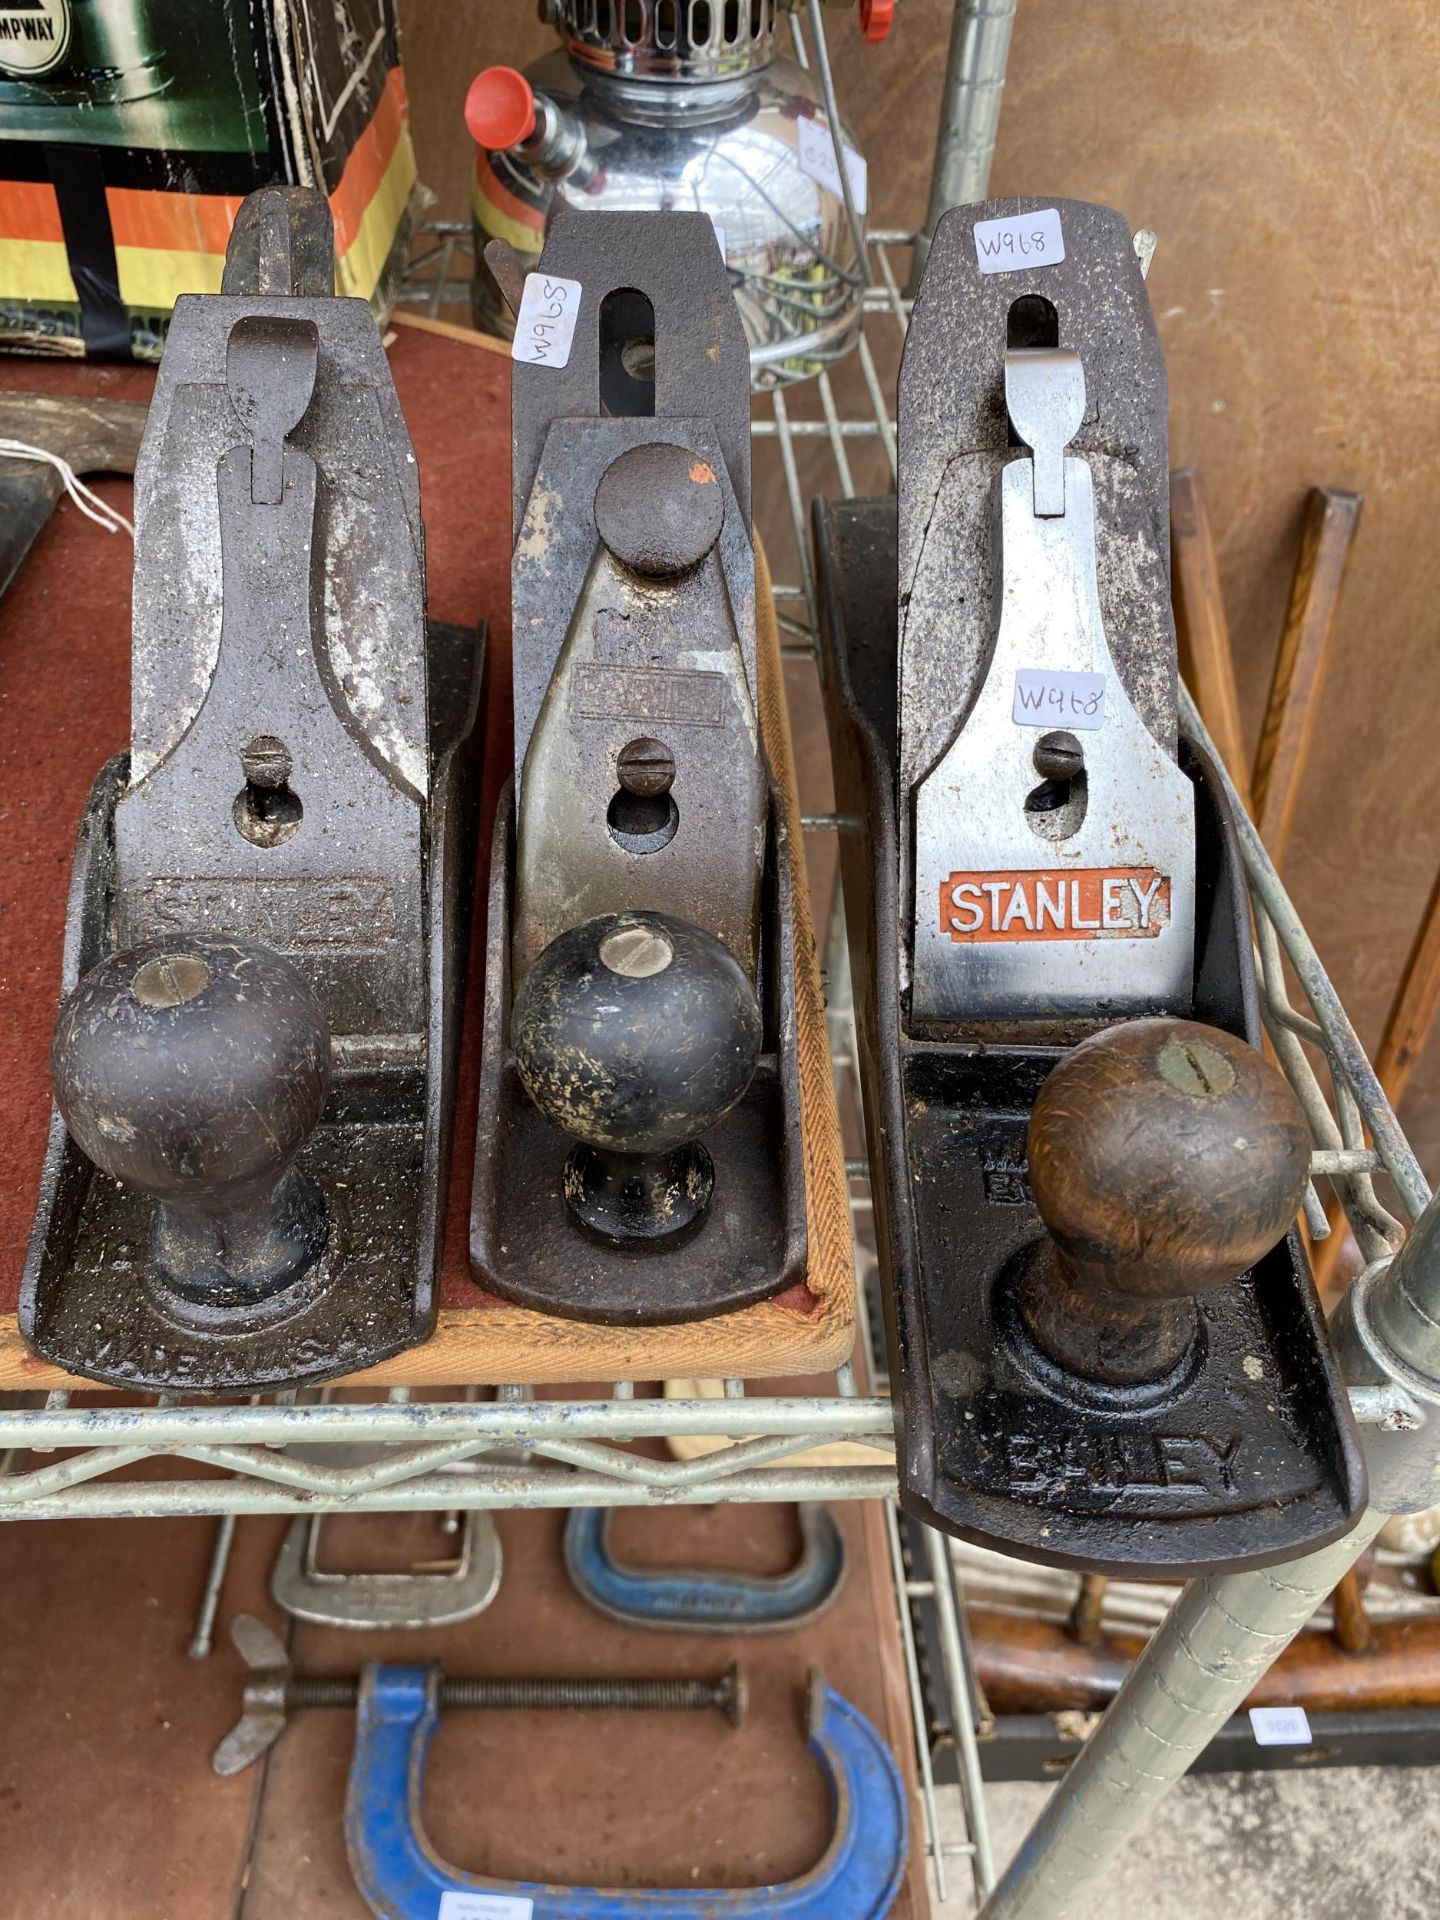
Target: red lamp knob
point(500, 108)
point(876, 19)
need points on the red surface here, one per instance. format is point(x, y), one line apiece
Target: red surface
point(499, 108)
point(64, 709)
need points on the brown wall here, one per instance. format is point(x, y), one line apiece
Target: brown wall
point(1288, 156)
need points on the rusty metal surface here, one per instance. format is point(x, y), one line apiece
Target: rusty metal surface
point(301, 777)
point(604, 656)
point(689, 289)
point(282, 242)
point(304, 623)
point(368, 539)
point(380, 1155)
point(642, 791)
point(652, 636)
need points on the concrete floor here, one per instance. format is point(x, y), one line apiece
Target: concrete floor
point(1343, 1844)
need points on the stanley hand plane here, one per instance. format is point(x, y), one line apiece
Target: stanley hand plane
point(1104, 1340)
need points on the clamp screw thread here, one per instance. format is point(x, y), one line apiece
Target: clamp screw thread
point(728, 1694)
point(314, 1690)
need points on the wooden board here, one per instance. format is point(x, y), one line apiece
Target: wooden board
point(107, 1721)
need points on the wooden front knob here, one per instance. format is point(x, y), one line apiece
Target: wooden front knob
point(1166, 1158)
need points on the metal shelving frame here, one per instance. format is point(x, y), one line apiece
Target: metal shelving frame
point(62, 1459)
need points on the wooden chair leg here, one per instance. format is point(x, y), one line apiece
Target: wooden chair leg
point(1205, 657)
point(1331, 517)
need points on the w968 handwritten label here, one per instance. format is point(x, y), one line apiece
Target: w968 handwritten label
point(1020, 240)
point(545, 324)
point(1053, 697)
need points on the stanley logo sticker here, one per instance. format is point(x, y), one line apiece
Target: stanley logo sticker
point(1101, 903)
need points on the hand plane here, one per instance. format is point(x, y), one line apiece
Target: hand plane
point(638, 1152)
point(1104, 1339)
point(254, 1058)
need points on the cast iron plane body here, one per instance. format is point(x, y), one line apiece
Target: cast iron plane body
point(641, 783)
point(1244, 1452)
point(301, 777)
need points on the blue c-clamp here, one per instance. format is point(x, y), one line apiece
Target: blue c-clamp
point(401, 1876)
point(693, 1601)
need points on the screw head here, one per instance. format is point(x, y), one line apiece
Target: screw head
point(171, 980)
point(1058, 756)
point(733, 1692)
point(646, 768)
point(635, 953)
point(266, 761)
point(1192, 1065)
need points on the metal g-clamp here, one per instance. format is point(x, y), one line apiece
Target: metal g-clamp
point(693, 1601)
point(401, 1877)
point(382, 1599)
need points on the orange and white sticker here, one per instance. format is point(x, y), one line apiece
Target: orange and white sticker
point(1101, 903)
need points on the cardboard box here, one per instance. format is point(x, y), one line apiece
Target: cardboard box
point(130, 131)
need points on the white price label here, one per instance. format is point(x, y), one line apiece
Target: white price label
point(1020, 240)
point(1280, 1726)
point(817, 158)
point(485, 1906)
point(1054, 698)
point(544, 329)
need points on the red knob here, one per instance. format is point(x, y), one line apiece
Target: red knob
point(500, 108)
point(876, 19)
